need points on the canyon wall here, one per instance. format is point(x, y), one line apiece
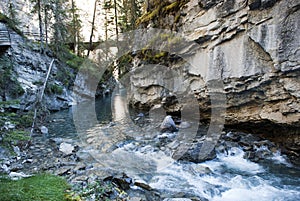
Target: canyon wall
point(23, 72)
point(251, 45)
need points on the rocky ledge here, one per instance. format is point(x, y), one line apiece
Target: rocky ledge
point(251, 46)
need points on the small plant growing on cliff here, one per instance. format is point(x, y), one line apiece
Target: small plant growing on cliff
point(54, 89)
point(16, 136)
point(12, 23)
point(8, 83)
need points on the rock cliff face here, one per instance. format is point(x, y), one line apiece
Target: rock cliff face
point(252, 45)
point(27, 68)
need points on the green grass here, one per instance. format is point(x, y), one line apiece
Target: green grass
point(54, 89)
point(41, 187)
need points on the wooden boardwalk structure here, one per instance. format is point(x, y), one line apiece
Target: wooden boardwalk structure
point(4, 36)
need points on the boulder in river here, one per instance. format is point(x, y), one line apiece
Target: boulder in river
point(66, 148)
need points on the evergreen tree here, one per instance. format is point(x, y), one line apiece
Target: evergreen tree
point(131, 10)
point(74, 28)
point(38, 8)
point(12, 14)
point(47, 20)
point(59, 26)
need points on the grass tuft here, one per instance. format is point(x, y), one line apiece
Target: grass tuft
point(43, 187)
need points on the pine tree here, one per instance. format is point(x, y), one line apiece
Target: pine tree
point(38, 8)
point(59, 26)
point(12, 14)
point(74, 28)
point(47, 20)
point(131, 10)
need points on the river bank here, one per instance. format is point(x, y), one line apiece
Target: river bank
point(143, 168)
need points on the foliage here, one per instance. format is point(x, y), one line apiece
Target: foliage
point(39, 187)
point(8, 83)
point(161, 8)
point(98, 190)
point(11, 23)
point(15, 136)
point(74, 27)
point(171, 6)
point(21, 121)
point(53, 89)
point(153, 56)
point(124, 64)
point(71, 195)
point(38, 83)
point(130, 11)
point(25, 120)
point(148, 16)
point(74, 61)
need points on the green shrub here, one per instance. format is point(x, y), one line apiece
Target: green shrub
point(38, 83)
point(14, 136)
point(8, 83)
point(53, 89)
point(75, 62)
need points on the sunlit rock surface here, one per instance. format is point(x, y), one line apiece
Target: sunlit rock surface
point(253, 46)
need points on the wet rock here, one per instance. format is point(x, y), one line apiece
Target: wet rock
point(16, 167)
point(44, 130)
point(27, 161)
point(184, 124)
point(247, 148)
point(8, 125)
point(122, 181)
point(199, 170)
point(63, 171)
point(84, 155)
point(266, 143)
point(81, 178)
point(249, 155)
point(136, 199)
point(17, 150)
point(80, 167)
point(143, 185)
point(192, 152)
point(66, 148)
point(262, 154)
point(18, 175)
point(230, 136)
point(4, 168)
point(221, 149)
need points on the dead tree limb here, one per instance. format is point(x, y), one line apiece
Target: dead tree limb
point(40, 98)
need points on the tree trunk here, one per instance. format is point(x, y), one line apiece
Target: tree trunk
point(117, 32)
point(39, 99)
point(75, 42)
point(93, 27)
point(46, 26)
point(40, 25)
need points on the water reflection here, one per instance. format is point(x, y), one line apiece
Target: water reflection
point(80, 118)
point(119, 105)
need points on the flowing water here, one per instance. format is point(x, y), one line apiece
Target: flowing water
point(124, 146)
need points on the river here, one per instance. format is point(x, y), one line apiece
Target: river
point(126, 147)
